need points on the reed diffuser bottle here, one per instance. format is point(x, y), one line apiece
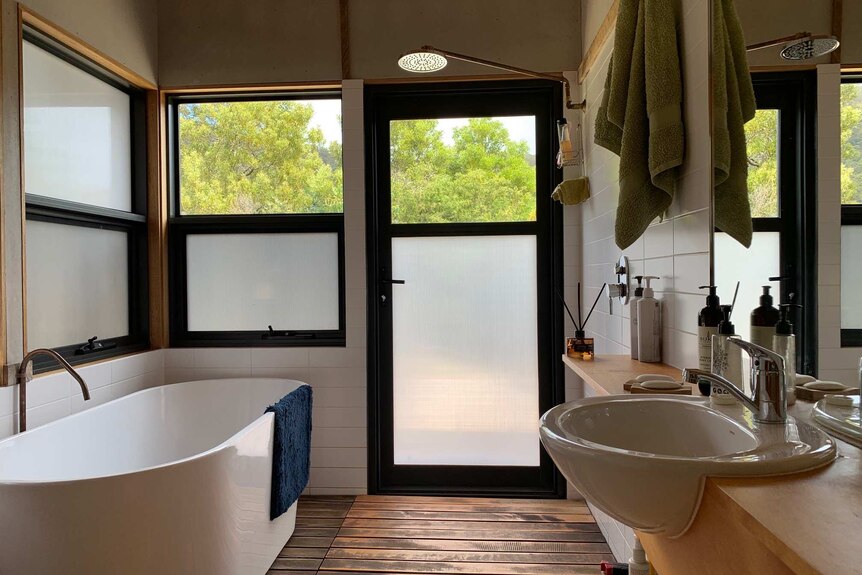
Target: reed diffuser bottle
point(581, 346)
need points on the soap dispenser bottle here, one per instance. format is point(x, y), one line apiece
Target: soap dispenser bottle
point(707, 326)
point(726, 358)
point(784, 344)
point(649, 325)
point(763, 320)
point(633, 316)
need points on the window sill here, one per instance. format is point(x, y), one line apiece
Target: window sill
point(48, 366)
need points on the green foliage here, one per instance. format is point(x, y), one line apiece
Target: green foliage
point(256, 158)
point(266, 158)
point(851, 144)
point(762, 137)
point(483, 176)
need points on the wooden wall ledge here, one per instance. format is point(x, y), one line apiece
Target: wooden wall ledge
point(606, 374)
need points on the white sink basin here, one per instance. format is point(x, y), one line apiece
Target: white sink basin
point(845, 420)
point(643, 459)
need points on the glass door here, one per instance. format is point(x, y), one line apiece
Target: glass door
point(462, 336)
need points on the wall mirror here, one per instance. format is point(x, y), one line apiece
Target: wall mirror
point(803, 158)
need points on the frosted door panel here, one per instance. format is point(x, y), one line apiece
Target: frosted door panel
point(77, 134)
point(466, 385)
point(77, 284)
point(245, 282)
point(752, 268)
point(851, 278)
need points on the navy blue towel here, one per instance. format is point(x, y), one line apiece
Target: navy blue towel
point(291, 456)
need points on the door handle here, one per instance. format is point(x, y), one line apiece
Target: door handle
point(399, 282)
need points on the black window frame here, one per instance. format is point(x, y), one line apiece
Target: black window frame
point(180, 227)
point(851, 215)
point(794, 94)
point(133, 223)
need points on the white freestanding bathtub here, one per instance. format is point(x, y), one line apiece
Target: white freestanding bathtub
point(169, 480)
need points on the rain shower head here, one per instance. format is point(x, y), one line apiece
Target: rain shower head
point(800, 46)
point(810, 47)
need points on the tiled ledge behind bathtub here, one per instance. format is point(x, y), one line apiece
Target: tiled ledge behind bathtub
point(337, 375)
point(57, 395)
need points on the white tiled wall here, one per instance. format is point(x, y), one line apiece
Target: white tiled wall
point(57, 395)
point(337, 375)
point(676, 249)
point(834, 362)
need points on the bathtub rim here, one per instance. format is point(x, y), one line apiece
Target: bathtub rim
point(204, 454)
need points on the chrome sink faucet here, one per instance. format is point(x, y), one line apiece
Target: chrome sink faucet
point(769, 400)
point(25, 374)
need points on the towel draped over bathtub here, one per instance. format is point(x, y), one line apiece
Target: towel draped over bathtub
point(291, 457)
point(640, 117)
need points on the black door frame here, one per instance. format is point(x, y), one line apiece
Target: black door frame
point(461, 99)
point(794, 94)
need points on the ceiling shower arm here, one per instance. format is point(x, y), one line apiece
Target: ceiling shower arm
point(505, 67)
point(777, 41)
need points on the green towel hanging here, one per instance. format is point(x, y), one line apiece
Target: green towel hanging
point(572, 192)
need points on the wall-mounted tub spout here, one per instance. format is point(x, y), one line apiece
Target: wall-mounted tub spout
point(25, 374)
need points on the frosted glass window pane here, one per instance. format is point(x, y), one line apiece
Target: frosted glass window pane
point(752, 268)
point(449, 170)
point(77, 284)
point(851, 278)
point(466, 386)
point(77, 134)
point(245, 282)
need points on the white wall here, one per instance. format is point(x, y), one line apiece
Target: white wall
point(676, 249)
point(834, 362)
point(205, 42)
point(126, 30)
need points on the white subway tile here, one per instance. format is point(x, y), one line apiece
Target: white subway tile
point(337, 357)
point(221, 372)
point(8, 400)
point(38, 416)
point(96, 375)
point(340, 396)
point(658, 240)
point(337, 376)
point(8, 426)
point(691, 233)
point(339, 416)
point(49, 388)
point(356, 457)
point(295, 373)
point(222, 357)
point(279, 357)
point(338, 436)
point(179, 357)
point(179, 374)
point(342, 477)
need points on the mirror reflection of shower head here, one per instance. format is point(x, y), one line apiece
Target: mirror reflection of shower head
point(811, 47)
point(801, 46)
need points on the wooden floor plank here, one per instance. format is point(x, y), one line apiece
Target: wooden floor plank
point(455, 567)
point(585, 517)
point(296, 564)
point(402, 535)
point(498, 535)
point(477, 525)
point(469, 556)
point(306, 552)
point(471, 545)
point(489, 508)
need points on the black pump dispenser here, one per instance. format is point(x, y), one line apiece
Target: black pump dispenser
point(784, 327)
point(639, 290)
point(725, 326)
point(763, 320)
point(710, 315)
